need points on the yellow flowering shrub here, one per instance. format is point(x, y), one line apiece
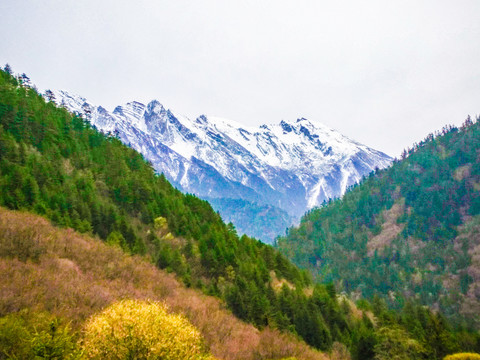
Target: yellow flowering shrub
point(462, 356)
point(133, 329)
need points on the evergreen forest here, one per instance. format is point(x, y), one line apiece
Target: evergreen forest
point(406, 233)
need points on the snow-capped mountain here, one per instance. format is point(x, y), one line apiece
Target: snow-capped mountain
point(292, 165)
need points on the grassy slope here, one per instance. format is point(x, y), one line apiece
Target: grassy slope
point(74, 276)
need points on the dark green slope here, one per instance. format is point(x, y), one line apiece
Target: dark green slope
point(407, 232)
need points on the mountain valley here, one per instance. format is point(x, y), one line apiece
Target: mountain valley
point(87, 225)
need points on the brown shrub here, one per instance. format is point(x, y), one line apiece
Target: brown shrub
point(390, 228)
point(74, 276)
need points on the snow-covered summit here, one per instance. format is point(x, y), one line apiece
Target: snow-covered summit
point(292, 165)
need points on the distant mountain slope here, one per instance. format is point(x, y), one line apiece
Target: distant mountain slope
point(410, 231)
point(292, 166)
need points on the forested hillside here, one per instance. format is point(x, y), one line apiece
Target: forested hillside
point(55, 283)
point(56, 165)
point(408, 232)
point(59, 277)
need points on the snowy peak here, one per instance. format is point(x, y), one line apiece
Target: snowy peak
point(286, 127)
point(201, 120)
point(292, 165)
point(132, 109)
point(154, 107)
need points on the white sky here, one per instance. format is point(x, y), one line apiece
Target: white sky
point(382, 72)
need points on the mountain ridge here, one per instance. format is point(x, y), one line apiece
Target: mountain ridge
point(56, 164)
point(293, 165)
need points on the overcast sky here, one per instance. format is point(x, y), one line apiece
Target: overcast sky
point(384, 73)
